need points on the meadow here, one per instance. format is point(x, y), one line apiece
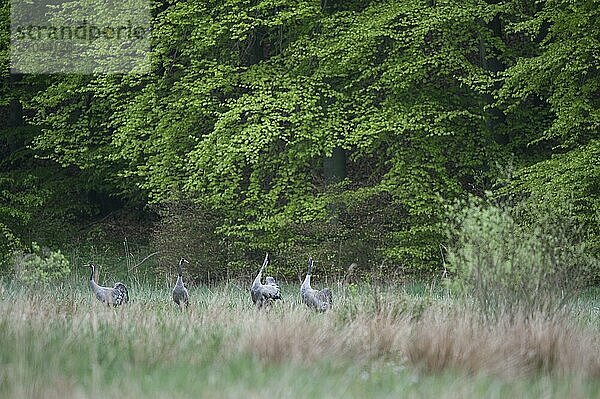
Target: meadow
point(414, 340)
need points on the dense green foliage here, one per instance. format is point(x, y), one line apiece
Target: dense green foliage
point(336, 127)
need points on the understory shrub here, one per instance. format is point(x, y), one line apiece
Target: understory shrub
point(8, 244)
point(190, 230)
point(350, 238)
point(40, 265)
point(508, 267)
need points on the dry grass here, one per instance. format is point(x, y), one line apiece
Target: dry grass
point(522, 346)
point(436, 342)
point(69, 344)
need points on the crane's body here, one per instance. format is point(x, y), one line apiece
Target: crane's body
point(115, 296)
point(263, 295)
point(180, 294)
point(320, 300)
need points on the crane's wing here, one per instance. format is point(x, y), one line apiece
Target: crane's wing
point(319, 300)
point(120, 294)
point(325, 296)
point(270, 291)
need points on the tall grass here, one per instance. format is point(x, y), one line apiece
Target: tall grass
point(64, 343)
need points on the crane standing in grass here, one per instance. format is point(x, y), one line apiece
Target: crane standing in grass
point(318, 300)
point(115, 296)
point(263, 295)
point(180, 293)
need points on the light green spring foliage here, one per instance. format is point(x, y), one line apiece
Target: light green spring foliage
point(550, 98)
point(40, 266)
point(561, 70)
point(246, 100)
point(567, 186)
point(8, 243)
point(505, 266)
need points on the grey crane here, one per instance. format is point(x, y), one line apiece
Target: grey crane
point(180, 293)
point(114, 296)
point(315, 299)
point(263, 295)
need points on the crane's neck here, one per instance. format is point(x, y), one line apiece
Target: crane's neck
point(95, 287)
point(258, 277)
point(179, 281)
point(180, 268)
point(306, 282)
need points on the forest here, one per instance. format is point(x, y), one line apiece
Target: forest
point(349, 130)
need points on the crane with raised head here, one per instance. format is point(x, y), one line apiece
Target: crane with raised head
point(320, 300)
point(115, 296)
point(263, 295)
point(180, 294)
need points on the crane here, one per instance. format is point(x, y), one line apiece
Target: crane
point(263, 295)
point(319, 300)
point(115, 296)
point(180, 293)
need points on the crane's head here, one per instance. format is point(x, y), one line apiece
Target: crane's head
point(183, 260)
point(180, 265)
point(310, 264)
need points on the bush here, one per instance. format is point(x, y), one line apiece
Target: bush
point(508, 267)
point(40, 266)
point(8, 244)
